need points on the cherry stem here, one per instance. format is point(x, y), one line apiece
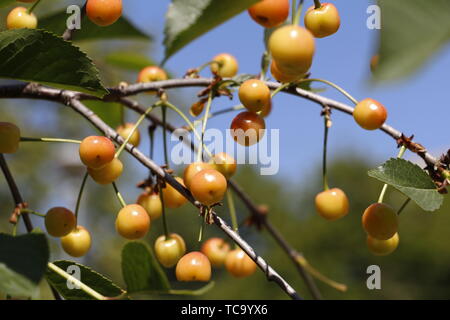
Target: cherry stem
point(28, 139)
point(265, 62)
point(203, 66)
point(298, 13)
point(80, 194)
point(151, 135)
point(217, 113)
point(32, 212)
point(403, 206)
point(202, 227)
point(325, 143)
point(205, 121)
point(164, 122)
point(14, 231)
point(345, 93)
point(232, 209)
point(30, 10)
point(317, 4)
point(164, 219)
point(385, 186)
point(119, 196)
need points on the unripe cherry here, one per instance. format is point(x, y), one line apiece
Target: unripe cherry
point(108, 173)
point(96, 152)
point(323, 21)
point(226, 67)
point(125, 130)
point(332, 204)
point(169, 251)
point(382, 247)
point(132, 222)
point(224, 163)
point(19, 18)
point(193, 266)
point(254, 95)
point(77, 243)
point(239, 264)
point(380, 221)
point(59, 221)
point(370, 114)
point(151, 203)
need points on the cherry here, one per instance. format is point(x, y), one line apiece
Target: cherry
point(77, 243)
point(270, 13)
point(19, 18)
point(9, 137)
point(152, 73)
point(224, 163)
point(108, 173)
point(382, 247)
point(125, 130)
point(132, 222)
point(193, 266)
point(370, 114)
point(169, 251)
point(216, 249)
point(151, 203)
point(380, 221)
point(374, 62)
point(239, 264)
point(172, 198)
point(96, 152)
point(247, 128)
point(324, 21)
point(292, 47)
point(226, 67)
point(332, 204)
point(254, 95)
point(282, 76)
point(266, 110)
point(59, 221)
point(192, 169)
point(104, 12)
point(208, 187)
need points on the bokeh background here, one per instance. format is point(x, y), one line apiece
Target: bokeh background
point(50, 174)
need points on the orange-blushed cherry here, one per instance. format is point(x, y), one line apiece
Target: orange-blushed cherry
point(193, 266)
point(77, 243)
point(254, 94)
point(151, 202)
point(283, 76)
point(323, 21)
point(239, 264)
point(169, 251)
point(332, 204)
point(104, 12)
point(96, 151)
point(247, 128)
point(380, 221)
point(59, 221)
point(382, 247)
point(269, 13)
point(172, 198)
point(124, 131)
point(192, 169)
point(208, 187)
point(132, 222)
point(370, 114)
point(19, 18)
point(152, 73)
point(266, 110)
point(108, 173)
point(216, 249)
point(224, 163)
point(9, 137)
point(292, 47)
point(226, 66)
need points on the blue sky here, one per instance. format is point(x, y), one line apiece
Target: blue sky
point(416, 105)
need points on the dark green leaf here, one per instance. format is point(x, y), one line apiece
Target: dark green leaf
point(141, 271)
point(243, 77)
point(109, 112)
point(129, 60)
point(187, 20)
point(411, 32)
point(175, 292)
point(411, 180)
point(89, 277)
point(40, 56)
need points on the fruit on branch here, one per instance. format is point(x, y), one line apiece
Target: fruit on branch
point(382, 247)
point(224, 163)
point(132, 222)
point(292, 47)
point(151, 203)
point(172, 198)
point(96, 152)
point(77, 243)
point(323, 21)
point(216, 249)
point(169, 251)
point(151, 74)
point(104, 12)
point(60, 221)
point(192, 169)
point(254, 95)
point(266, 110)
point(208, 187)
point(9, 137)
point(226, 66)
point(380, 221)
point(19, 18)
point(193, 266)
point(332, 204)
point(247, 128)
point(370, 114)
point(125, 130)
point(108, 173)
point(270, 13)
point(282, 76)
point(239, 264)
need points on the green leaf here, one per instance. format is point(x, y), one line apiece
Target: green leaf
point(175, 292)
point(129, 60)
point(23, 260)
point(141, 271)
point(109, 112)
point(121, 29)
point(40, 56)
point(5, 3)
point(187, 20)
point(411, 32)
point(89, 277)
point(411, 180)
